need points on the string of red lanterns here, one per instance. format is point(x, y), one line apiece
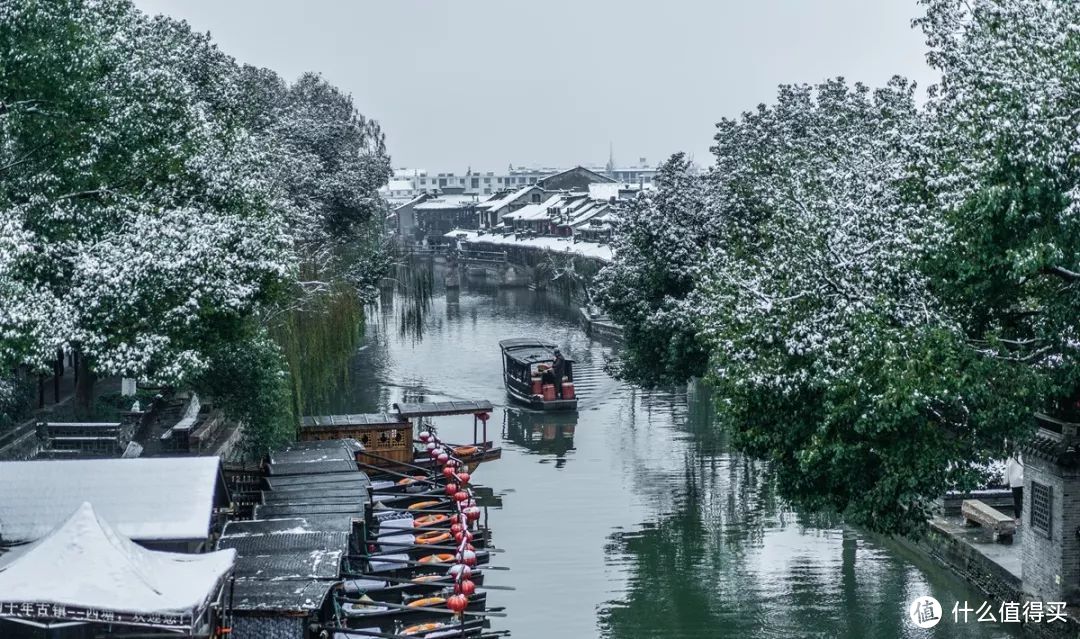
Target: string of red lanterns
point(467, 511)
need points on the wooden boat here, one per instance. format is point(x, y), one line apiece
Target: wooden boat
point(387, 439)
point(468, 627)
point(524, 362)
point(367, 610)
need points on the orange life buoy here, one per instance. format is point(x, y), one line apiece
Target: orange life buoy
point(441, 558)
point(410, 480)
point(420, 505)
point(423, 579)
point(426, 601)
point(433, 537)
point(429, 520)
point(424, 627)
point(465, 451)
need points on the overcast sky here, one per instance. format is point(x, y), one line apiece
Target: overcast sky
point(486, 83)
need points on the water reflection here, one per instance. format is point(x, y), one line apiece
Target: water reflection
point(548, 434)
point(726, 557)
point(652, 526)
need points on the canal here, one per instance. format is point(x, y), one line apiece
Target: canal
point(633, 518)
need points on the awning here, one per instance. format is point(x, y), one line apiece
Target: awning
point(85, 571)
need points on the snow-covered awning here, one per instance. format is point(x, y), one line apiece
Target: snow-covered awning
point(85, 571)
point(146, 499)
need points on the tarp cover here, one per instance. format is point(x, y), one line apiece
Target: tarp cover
point(86, 564)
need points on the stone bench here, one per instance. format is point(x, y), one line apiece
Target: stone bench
point(977, 512)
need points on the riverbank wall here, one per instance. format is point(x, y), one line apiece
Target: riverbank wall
point(995, 569)
point(542, 263)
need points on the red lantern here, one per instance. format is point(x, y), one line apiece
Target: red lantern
point(460, 571)
point(472, 513)
point(424, 436)
point(451, 489)
point(443, 458)
point(460, 535)
point(467, 587)
point(457, 603)
point(461, 495)
point(456, 528)
point(430, 446)
point(448, 472)
point(468, 558)
point(463, 478)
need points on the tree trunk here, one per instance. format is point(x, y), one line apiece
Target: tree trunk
point(84, 388)
point(58, 372)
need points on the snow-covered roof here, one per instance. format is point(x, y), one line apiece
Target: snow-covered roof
point(534, 211)
point(559, 244)
point(586, 213)
point(85, 563)
point(604, 190)
point(151, 498)
point(499, 201)
point(418, 198)
point(447, 202)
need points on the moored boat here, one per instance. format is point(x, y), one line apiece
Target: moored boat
point(528, 373)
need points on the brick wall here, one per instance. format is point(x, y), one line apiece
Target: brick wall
point(1051, 564)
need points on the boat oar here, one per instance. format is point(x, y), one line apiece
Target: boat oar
point(411, 562)
point(478, 535)
point(368, 633)
point(495, 634)
point(415, 510)
point(397, 474)
point(399, 548)
point(392, 461)
point(445, 611)
point(446, 580)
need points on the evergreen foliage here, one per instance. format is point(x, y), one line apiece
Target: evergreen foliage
point(884, 293)
point(163, 210)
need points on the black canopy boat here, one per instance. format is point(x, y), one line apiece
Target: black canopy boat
point(529, 377)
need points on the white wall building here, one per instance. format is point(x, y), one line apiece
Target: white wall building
point(409, 183)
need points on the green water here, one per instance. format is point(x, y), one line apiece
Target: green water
point(633, 519)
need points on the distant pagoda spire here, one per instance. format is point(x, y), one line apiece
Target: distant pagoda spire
point(611, 160)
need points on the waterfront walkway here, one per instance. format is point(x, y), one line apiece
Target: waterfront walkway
point(1003, 558)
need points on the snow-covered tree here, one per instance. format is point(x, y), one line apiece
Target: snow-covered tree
point(330, 162)
point(1007, 136)
point(657, 255)
point(161, 207)
point(822, 325)
point(149, 220)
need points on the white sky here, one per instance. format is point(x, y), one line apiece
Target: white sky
point(484, 83)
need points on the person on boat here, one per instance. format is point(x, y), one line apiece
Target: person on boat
point(558, 368)
point(547, 376)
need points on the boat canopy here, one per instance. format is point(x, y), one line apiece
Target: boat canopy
point(525, 342)
point(439, 409)
point(527, 350)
